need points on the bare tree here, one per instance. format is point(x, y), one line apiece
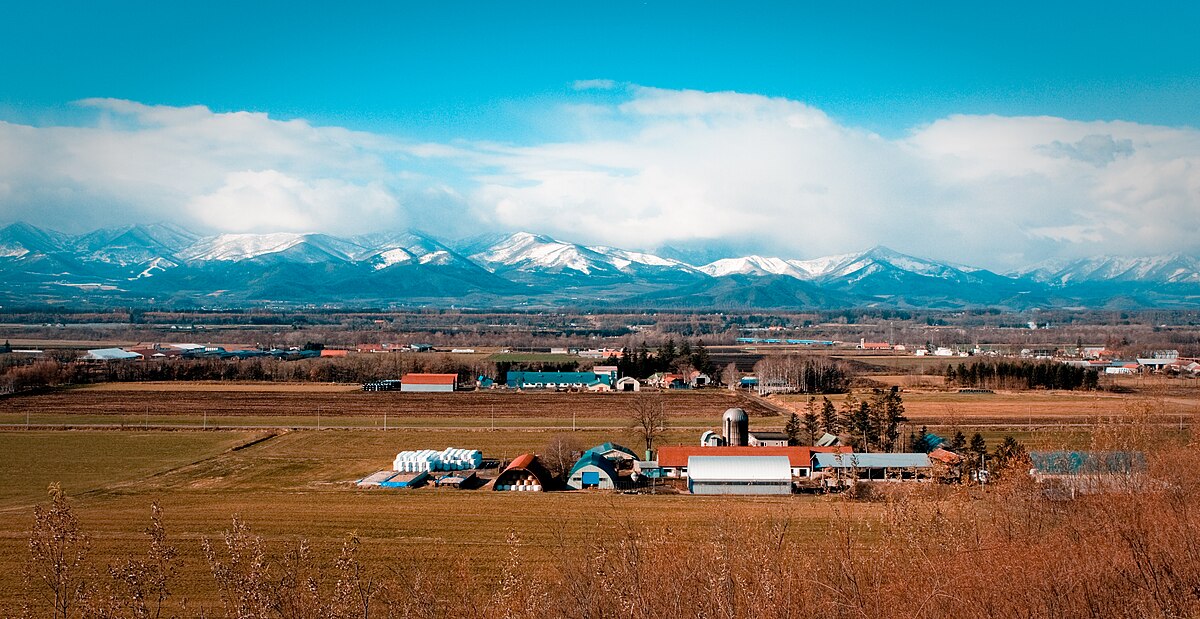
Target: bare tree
point(648, 418)
point(57, 552)
point(560, 454)
point(730, 375)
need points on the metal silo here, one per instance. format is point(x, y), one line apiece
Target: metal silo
point(735, 426)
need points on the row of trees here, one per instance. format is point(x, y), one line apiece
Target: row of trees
point(641, 362)
point(351, 369)
point(1022, 375)
point(872, 424)
point(802, 374)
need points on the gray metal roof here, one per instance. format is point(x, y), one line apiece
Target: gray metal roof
point(110, 354)
point(870, 460)
point(739, 468)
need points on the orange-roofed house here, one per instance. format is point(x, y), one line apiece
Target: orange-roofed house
point(428, 382)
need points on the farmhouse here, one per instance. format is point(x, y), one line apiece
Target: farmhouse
point(524, 474)
point(592, 471)
point(739, 475)
point(428, 382)
point(110, 354)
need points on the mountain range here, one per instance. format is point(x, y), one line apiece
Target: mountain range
point(165, 265)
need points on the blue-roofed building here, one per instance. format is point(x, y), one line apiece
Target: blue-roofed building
point(1087, 462)
point(614, 453)
point(556, 380)
point(1066, 474)
point(592, 471)
point(842, 468)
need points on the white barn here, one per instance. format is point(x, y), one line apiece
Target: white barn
point(739, 475)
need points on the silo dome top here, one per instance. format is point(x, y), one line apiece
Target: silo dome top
point(735, 415)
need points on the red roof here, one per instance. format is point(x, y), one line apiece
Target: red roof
point(677, 457)
point(945, 455)
point(430, 379)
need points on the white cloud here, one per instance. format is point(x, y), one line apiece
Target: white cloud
point(654, 167)
point(270, 201)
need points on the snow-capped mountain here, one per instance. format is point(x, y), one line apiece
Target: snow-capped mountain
point(291, 246)
point(753, 265)
point(525, 269)
point(1166, 269)
point(538, 253)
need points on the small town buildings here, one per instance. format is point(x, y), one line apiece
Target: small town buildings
point(628, 383)
point(592, 471)
point(842, 468)
point(739, 475)
point(428, 382)
point(759, 438)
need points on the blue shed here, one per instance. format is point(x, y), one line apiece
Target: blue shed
point(592, 471)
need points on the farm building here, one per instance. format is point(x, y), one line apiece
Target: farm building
point(525, 474)
point(614, 452)
point(389, 384)
point(674, 460)
point(768, 439)
point(592, 471)
point(843, 467)
point(428, 382)
point(606, 373)
point(739, 475)
point(110, 354)
point(555, 380)
point(457, 480)
point(628, 383)
point(1066, 474)
point(406, 480)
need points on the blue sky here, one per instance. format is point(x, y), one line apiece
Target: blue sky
point(446, 70)
point(1012, 132)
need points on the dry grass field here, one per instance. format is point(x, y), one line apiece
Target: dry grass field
point(295, 484)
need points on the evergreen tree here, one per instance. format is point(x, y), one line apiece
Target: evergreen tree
point(701, 361)
point(958, 442)
point(920, 442)
point(7, 347)
point(1007, 452)
point(812, 422)
point(829, 418)
point(793, 430)
point(978, 445)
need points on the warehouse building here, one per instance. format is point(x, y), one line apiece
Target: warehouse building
point(739, 475)
point(428, 382)
point(674, 459)
point(557, 380)
point(592, 471)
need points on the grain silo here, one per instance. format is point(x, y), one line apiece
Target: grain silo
point(735, 427)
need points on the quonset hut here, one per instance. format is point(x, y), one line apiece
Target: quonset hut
point(592, 471)
point(523, 474)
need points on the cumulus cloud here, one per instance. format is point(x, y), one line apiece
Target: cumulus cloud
point(653, 167)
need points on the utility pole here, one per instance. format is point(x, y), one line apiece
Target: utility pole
point(205, 422)
point(318, 417)
point(385, 420)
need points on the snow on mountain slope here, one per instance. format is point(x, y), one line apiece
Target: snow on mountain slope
point(299, 247)
point(754, 265)
point(20, 239)
point(1165, 269)
point(388, 257)
point(535, 252)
